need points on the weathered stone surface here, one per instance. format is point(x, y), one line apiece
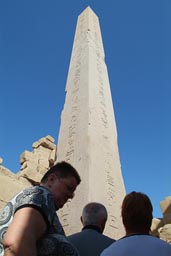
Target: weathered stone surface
point(9, 186)
point(165, 233)
point(33, 166)
point(36, 163)
point(44, 142)
point(50, 138)
point(52, 157)
point(6, 172)
point(41, 152)
point(44, 163)
point(156, 224)
point(31, 163)
point(25, 156)
point(88, 136)
point(166, 209)
point(29, 173)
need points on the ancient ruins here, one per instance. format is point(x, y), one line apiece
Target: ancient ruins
point(87, 139)
point(35, 163)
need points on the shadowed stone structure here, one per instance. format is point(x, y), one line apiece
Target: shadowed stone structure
point(34, 164)
point(88, 135)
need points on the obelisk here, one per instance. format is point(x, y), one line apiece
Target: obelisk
point(88, 136)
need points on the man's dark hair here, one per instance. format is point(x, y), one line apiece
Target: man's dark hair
point(62, 170)
point(137, 212)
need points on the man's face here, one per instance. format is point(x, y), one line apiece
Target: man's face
point(62, 189)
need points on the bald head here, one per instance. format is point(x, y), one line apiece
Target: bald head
point(94, 214)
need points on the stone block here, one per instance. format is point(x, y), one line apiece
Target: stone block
point(166, 209)
point(44, 142)
point(167, 218)
point(50, 138)
point(42, 170)
point(52, 157)
point(42, 152)
point(26, 155)
point(5, 172)
point(165, 204)
point(29, 170)
point(44, 163)
point(165, 233)
point(31, 163)
point(9, 187)
point(156, 224)
point(31, 174)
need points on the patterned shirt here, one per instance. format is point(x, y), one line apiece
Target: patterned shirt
point(54, 242)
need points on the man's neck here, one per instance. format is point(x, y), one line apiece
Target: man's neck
point(94, 227)
point(131, 233)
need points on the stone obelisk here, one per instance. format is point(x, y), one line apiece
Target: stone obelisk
point(88, 136)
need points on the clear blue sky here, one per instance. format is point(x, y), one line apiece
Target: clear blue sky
point(36, 38)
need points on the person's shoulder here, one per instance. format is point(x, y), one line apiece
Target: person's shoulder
point(108, 238)
point(74, 235)
point(108, 250)
point(35, 189)
point(34, 196)
point(159, 241)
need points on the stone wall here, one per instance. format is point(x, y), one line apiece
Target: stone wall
point(35, 163)
point(165, 230)
point(10, 185)
point(162, 227)
point(33, 166)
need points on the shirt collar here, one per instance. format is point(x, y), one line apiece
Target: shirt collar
point(92, 227)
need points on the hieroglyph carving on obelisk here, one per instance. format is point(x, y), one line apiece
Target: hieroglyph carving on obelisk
point(88, 136)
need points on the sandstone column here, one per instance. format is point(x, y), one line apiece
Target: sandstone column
point(88, 136)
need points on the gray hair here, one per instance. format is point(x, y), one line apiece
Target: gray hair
point(93, 213)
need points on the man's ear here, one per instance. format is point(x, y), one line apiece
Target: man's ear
point(81, 219)
point(102, 224)
point(52, 177)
